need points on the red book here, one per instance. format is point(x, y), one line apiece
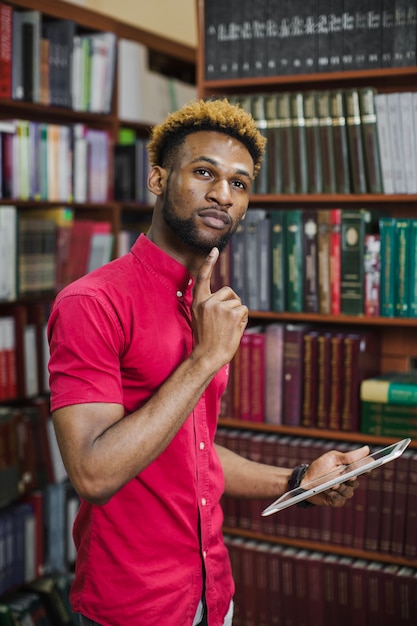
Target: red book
point(331, 607)
point(336, 381)
point(274, 350)
point(410, 542)
point(79, 249)
point(248, 580)
point(293, 373)
point(275, 586)
point(361, 360)
point(287, 596)
point(359, 598)
point(9, 376)
point(388, 483)
point(257, 377)
point(359, 514)
point(399, 511)
point(343, 591)
point(262, 591)
point(9, 461)
point(323, 374)
point(6, 15)
point(310, 387)
point(335, 259)
point(315, 588)
point(244, 377)
point(375, 593)
point(373, 510)
point(16, 350)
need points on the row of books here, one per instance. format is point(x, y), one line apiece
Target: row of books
point(274, 39)
point(278, 585)
point(131, 168)
point(42, 602)
point(381, 516)
point(315, 261)
point(40, 161)
point(45, 249)
point(336, 141)
point(389, 404)
point(301, 375)
point(48, 61)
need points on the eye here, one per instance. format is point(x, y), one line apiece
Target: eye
point(202, 171)
point(240, 184)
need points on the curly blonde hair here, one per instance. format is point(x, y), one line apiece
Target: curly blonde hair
point(205, 115)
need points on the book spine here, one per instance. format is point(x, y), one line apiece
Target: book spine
point(370, 141)
point(310, 261)
point(310, 388)
point(401, 267)
point(412, 269)
point(293, 374)
point(6, 17)
point(294, 265)
point(326, 143)
point(277, 221)
point(372, 275)
point(352, 267)
point(384, 142)
point(287, 143)
point(313, 149)
point(274, 148)
point(354, 132)
point(386, 229)
point(323, 260)
point(300, 142)
point(341, 149)
point(335, 259)
point(261, 183)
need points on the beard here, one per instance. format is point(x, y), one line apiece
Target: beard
point(188, 233)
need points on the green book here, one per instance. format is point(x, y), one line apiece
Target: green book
point(412, 269)
point(294, 279)
point(401, 266)
point(355, 224)
point(386, 229)
point(278, 261)
point(396, 388)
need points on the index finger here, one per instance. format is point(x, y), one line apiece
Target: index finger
point(202, 289)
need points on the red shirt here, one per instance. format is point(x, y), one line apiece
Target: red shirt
point(115, 336)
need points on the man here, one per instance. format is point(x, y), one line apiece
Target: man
point(139, 360)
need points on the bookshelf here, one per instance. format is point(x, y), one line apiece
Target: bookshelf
point(397, 334)
point(35, 493)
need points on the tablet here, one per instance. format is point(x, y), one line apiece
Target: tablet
point(338, 476)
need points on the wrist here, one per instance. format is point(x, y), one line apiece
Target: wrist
point(295, 480)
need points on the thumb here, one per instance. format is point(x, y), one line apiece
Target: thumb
point(202, 289)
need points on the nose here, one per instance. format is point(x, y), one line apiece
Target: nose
point(220, 192)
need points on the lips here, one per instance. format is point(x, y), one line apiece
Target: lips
point(215, 218)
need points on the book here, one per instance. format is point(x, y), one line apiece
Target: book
point(274, 346)
point(401, 267)
point(299, 142)
point(336, 381)
point(293, 365)
point(323, 261)
point(387, 281)
point(9, 472)
point(327, 147)
point(390, 388)
point(323, 375)
point(274, 148)
point(8, 253)
point(340, 139)
point(335, 260)
point(396, 142)
point(412, 269)
point(354, 225)
point(384, 142)
point(313, 143)
point(258, 110)
point(6, 18)
point(287, 143)
point(310, 386)
point(361, 359)
point(294, 278)
point(31, 35)
point(355, 142)
point(372, 275)
point(409, 139)
point(371, 150)
point(257, 260)
point(310, 290)
point(278, 289)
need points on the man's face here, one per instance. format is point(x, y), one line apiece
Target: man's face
point(207, 190)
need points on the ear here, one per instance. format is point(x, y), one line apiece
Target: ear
point(157, 178)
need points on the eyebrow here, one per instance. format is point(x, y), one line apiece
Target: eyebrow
point(216, 163)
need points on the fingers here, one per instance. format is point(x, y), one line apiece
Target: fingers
point(355, 455)
point(202, 289)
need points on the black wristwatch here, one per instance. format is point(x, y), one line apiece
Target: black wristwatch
point(296, 477)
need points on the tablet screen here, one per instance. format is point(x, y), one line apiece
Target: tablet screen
point(338, 476)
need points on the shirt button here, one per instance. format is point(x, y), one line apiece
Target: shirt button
point(202, 445)
point(190, 282)
point(204, 554)
point(179, 294)
point(203, 501)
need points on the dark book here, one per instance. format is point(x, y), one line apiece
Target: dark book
point(211, 46)
point(257, 260)
point(31, 52)
point(9, 462)
point(373, 511)
point(404, 39)
point(274, 148)
point(387, 501)
point(374, 34)
point(17, 56)
point(340, 139)
point(336, 381)
point(400, 490)
point(323, 374)
point(299, 142)
point(355, 224)
point(336, 35)
point(261, 183)
point(410, 544)
point(324, 8)
point(327, 147)
point(310, 262)
point(6, 18)
point(278, 273)
point(387, 33)
point(311, 386)
point(56, 608)
point(294, 278)
point(356, 150)
point(313, 144)
point(60, 35)
point(287, 143)
point(323, 261)
point(361, 360)
point(293, 373)
point(412, 270)
point(370, 141)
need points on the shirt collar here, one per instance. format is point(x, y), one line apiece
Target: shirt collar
point(174, 276)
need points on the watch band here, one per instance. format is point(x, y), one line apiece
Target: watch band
point(294, 481)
